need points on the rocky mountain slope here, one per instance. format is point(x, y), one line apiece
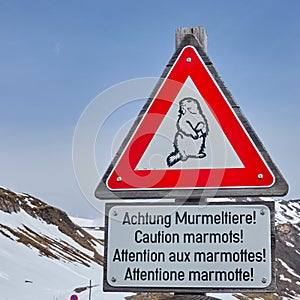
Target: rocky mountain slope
point(43, 254)
point(288, 248)
point(12, 203)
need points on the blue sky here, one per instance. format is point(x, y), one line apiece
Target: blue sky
point(56, 56)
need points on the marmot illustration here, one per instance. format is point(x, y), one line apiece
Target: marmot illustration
point(192, 130)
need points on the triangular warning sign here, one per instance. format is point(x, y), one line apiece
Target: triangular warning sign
point(191, 141)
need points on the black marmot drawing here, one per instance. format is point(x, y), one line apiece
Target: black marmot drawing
point(192, 130)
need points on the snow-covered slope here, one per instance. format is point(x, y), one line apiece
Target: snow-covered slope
point(27, 274)
point(40, 259)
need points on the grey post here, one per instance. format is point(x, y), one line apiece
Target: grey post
point(201, 35)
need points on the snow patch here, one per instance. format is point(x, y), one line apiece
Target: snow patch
point(87, 222)
point(287, 212)
point(281, 277)
point(289, 244)
point(28, 202)
point(290, 270)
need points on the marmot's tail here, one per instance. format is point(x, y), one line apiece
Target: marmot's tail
point(173, 158)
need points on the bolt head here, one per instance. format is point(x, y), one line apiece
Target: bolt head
point(119, 179)
point(264, 280)
point(188, 60)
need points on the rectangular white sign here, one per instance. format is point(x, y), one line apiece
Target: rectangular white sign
point(188, 246)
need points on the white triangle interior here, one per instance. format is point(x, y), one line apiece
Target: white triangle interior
point(219, 152)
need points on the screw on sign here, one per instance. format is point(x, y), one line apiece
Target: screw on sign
point(74, 297)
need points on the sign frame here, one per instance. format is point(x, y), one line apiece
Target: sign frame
point(181, 289)
point(278, 188)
